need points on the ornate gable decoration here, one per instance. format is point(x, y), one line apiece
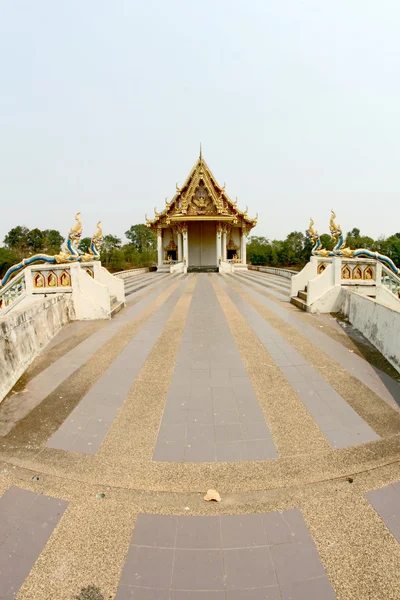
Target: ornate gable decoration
point(201, 197)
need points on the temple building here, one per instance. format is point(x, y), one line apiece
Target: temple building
point(201, 228)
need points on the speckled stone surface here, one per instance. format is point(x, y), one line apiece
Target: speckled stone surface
point(339, 493)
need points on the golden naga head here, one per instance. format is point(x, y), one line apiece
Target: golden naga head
point(332, 225)
point(76, 231)
point(312, 233)
point(97, 238)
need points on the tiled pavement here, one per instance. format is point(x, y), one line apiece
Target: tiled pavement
point(88, 424)
point(26, 523)
point(378, 382)
point(211, 412)
point(386, 502)
point(50, 378)
point(341, 425)
point(255, 556)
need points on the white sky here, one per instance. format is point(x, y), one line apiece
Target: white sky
point(103, 105)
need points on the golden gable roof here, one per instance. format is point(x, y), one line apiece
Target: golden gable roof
point(201, 198)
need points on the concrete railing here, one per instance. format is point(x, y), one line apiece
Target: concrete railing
point(90, 285)
point(288, 273)
point(12, 293)
point(131, 272)
point(25, 331)
point(378, 322)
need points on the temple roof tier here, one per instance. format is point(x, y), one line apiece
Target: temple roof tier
point(201, 198)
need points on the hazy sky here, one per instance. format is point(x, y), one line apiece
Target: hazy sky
point(103, 105)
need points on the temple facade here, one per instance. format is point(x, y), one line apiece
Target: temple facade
point(201, 227)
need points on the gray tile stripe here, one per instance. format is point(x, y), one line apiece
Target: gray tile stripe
point(357, 366)
point(26, 522)
point(280, 295)
point(146, 280)
point(211, 412)
point(88, 424)
point(279, 282)
point(386, 502)
point(340, 424)
point(48, 380)
point(241, 557)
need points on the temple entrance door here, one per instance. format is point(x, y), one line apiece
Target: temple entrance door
point(202, 244)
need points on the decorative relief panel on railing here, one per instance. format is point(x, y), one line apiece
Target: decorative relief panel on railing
point(13, 292)
point(54, 278)
point(321, 268)
point(391, 281)
point(358, 272)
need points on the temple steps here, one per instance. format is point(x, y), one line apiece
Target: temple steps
point(135, 283)
point(115, 306)
point(203, 269)
point(300, 300)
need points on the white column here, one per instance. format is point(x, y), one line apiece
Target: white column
point(244, 242)
point(218, 244)
point(180, 257)
point(224, 246)
point(159, 248)
point(185, 247)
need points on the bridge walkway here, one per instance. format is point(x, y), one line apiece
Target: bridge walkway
point(204, 381)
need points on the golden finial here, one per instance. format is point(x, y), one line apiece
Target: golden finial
point(332, 223)
point(311, 229)
point(99, 233)
point(201, 153)
point(77, 228)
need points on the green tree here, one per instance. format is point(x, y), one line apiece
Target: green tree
point(83, 245)
point(35, 240)
point(326, 241)
point(292, 248)
point(8, 258)
point(258, 250)
point(111, 242)
point(141, 237)
point(17, 240)
point(53, 241)
point(393, 248)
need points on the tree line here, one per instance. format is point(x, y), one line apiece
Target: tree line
point(141, 248)
point(295, 250)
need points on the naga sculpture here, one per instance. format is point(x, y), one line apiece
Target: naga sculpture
point(68, 254)
point(340, 248)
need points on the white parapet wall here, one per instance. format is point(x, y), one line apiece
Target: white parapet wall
point(378, 322)
point(178, 267)
point(225, 267)
point(131, 273)
point(91, 299)
point(95, 292)
point(287, 273)
point(25, 331)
